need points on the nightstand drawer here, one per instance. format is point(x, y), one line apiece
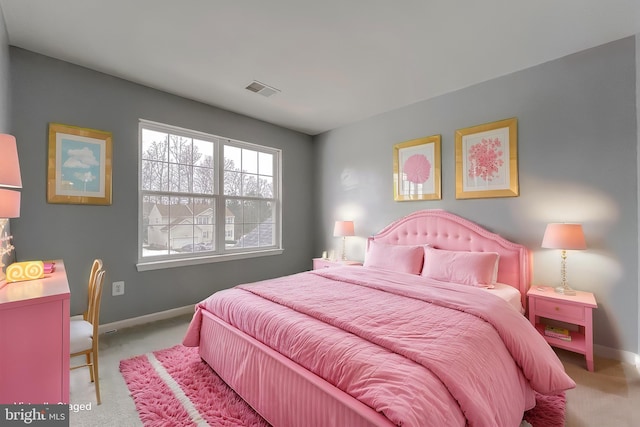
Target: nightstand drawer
point(554, 310)
point(319, 263)
point(322, 263)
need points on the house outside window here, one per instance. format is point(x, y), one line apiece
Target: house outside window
point(189, 182)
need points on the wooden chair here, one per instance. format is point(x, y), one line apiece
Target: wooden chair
point(95, 267)
point(83, 332)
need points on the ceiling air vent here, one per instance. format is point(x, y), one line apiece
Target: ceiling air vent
point(262, 89)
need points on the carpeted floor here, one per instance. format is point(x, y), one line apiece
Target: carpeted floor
point(610, 396)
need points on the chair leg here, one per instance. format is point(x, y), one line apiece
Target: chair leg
point(88, 358)
point(96, 375)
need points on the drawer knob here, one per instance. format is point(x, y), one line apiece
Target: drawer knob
point(557, 308)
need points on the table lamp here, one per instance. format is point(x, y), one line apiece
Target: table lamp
point(343, 229)
point(9, 198)
point(564, 236)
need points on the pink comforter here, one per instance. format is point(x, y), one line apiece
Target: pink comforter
point(442, 354)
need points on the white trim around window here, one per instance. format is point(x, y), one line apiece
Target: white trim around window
point(204, 198)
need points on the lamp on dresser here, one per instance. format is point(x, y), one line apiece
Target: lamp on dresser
point(564, 236)
point(343, 229)
point(10, 180)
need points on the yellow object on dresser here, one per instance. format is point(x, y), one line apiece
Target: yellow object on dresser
point(27, 270)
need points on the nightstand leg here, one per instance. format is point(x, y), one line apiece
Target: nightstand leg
point(590, 364)
point(588, 338)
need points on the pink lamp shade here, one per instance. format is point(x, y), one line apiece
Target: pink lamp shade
point(343, 228)
point(564, 236)
point(9, 166)
point(9, 203)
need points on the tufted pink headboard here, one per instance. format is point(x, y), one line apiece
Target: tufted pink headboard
point(444, 230)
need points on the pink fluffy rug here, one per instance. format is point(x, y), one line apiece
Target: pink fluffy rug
point(548, 412)
point(174, 387)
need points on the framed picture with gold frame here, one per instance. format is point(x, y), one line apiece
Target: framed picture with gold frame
point(416, 169)
point(79, 165)
point(487, 160)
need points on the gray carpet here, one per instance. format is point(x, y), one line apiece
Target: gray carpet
point(610, 396)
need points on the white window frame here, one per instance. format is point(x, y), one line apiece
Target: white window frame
point(221, 253)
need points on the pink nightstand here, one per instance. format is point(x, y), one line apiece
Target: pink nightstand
point(577, 309)
point(319, 263)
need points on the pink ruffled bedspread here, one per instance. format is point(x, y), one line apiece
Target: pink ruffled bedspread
point(422, 352)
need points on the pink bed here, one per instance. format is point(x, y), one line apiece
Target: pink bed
point(388, 343)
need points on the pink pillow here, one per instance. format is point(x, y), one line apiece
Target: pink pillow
point(403, 259)
point(467, 268)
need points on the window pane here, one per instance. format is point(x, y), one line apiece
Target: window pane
point(232, 183)
point(251, 236)
point(233, 212)
point(158, 241)
point(251, 212)
point(255, 226)
point(207, 242)
point(267, 212)
point(203, 180)
point(186, 217)
point(154, 176)
point(257, 235)
point(250, 185)
point(265, 187)
point(203, 153)
point(233, 222)
point(180, 223)
point(180, 149)
point(249, 161)
point(265, 164)
point(232, 158)
point(204, 212)
point(267, 234)
point(267, 223)
point(154, 145)
point(180, 177)
point(155, 238)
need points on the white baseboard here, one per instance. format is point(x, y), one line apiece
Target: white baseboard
point(147, 318)
point(621, 355)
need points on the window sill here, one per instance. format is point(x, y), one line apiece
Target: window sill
point(184, 262)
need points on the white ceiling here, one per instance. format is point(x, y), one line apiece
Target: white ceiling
point(335, 61)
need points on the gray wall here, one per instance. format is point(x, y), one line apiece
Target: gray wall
point(5, 101)
point(577, 153)
point(638, 129)
point(46, 90)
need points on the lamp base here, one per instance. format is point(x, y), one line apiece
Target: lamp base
point(565, 290)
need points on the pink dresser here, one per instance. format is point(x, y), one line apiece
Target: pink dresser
point(34, 340)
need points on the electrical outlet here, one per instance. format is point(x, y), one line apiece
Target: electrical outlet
point(118, 288)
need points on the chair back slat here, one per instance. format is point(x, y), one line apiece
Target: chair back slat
point(94, 319)
point(95, 267)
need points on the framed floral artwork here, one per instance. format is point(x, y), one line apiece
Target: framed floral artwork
point(487, 160)
point(416, 169)
point(79, 165)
